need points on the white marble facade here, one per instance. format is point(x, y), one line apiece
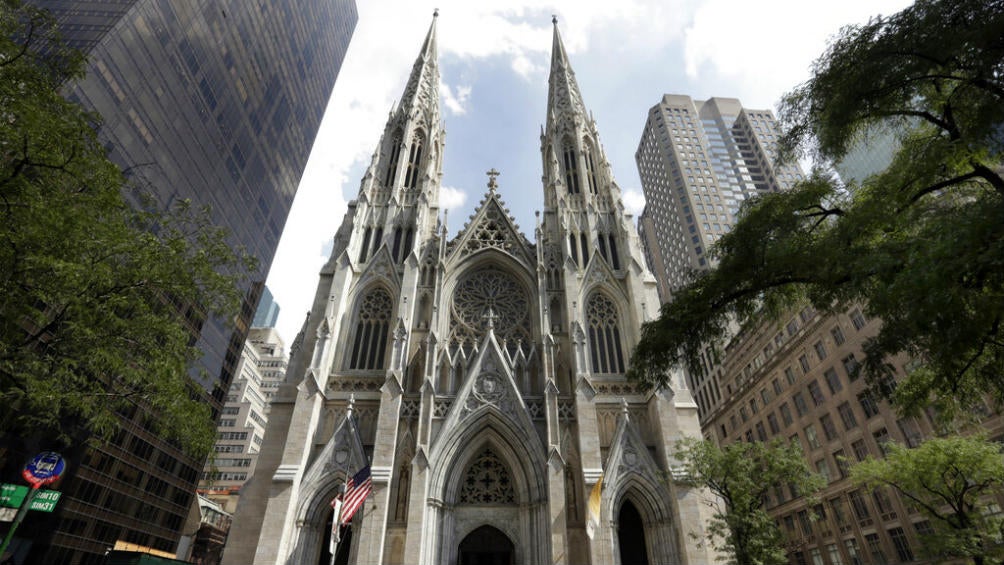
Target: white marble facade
point(485, 372)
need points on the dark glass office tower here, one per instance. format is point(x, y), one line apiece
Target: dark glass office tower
point(216, 101)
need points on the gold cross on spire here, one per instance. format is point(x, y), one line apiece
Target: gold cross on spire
point(492, 175)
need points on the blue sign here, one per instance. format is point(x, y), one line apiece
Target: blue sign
point(44, 468)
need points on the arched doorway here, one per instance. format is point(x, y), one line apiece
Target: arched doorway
point(343, 549)
point(486, 546)
point(631, 536)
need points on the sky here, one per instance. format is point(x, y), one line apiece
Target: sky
point(493, 60)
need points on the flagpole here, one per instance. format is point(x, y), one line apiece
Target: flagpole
point(336, 516)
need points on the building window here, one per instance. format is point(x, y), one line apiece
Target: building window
point(786, 414)
point(859, 505)
point(868, 405)
point(604, 335)
point(804, 362)
point(811, 437)
point(816, 393)
point(571, 167)
point(823, 468)
point(842, 465)
point(847, 416)
point(851, 545)
point(365, 247)
point(851, 367)
point(414, 163)
point(395, 156)
point(902, 546)
point(858, 319)
point(838, 335)
point(820, 350)
point(372, 327)
point(789, 375)
point(839, 511)
point(881, 436)
point(775, 428)
point(590, 170)
point(829, 428)
point(806, 526)
point(800, 405)
point(860, 449)
point(832, 381)
point(834, 552)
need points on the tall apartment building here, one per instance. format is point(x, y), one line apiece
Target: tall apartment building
point(241, 428)
point(798, 380)
point(698, 161)
point(217, 102)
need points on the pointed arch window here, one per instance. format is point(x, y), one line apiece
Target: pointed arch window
point(604, 335)
point(591, 178)
point(365, 247)
point(369, 346)
point(402, 243)
point(571, 167)
point(395, 156)
point(608, 249)
point(414, 162)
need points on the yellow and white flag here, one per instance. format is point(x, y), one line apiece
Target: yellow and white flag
point(593, 520)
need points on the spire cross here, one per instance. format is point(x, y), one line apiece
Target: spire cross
point(492, 175)
point(491, 317)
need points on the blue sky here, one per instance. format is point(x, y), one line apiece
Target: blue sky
point(494, 58)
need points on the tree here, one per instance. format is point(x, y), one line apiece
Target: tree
point(741, 474)
point(920, 245)
point(96, 295)
point(950, 480)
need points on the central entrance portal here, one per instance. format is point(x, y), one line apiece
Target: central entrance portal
point(486, 546)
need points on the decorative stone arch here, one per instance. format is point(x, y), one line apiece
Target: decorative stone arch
point(633, 475)
point(488, 411)
point(524, 522)
point(342, 455)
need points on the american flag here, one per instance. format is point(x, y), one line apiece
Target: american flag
point(356, 491)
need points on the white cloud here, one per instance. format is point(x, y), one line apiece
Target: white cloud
point(451, 198)
point(634, 201)
point(764, 47)
point(455, 103)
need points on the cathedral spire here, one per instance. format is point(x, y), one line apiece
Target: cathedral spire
point(563, 97)
point(423, 84)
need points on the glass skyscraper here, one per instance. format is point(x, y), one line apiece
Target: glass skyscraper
point(217, 102)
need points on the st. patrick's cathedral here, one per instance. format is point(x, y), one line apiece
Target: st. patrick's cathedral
point(481, 377)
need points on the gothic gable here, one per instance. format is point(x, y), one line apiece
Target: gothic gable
point(490, 388)
point(491, 227)
point(342, 456)
point(630, 471)
point(380, 267)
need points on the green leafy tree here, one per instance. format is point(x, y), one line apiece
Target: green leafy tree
point(920, 245)
point(951, 481)
point(741, 474)
point(94, 292)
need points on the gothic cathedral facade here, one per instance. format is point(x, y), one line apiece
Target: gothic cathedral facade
point(481, 376)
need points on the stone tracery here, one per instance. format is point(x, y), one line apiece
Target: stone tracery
point(484, 294)
point(487, 481)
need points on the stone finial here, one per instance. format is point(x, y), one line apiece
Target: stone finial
point(492, 176)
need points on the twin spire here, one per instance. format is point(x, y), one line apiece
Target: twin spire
point(423, 84)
